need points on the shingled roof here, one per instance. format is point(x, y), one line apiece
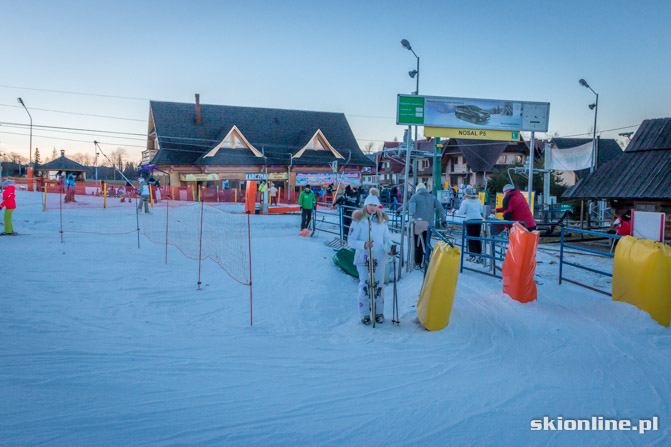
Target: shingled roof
point(482, 155)
point(62, 163)
point(641, 172)
point(278, 133)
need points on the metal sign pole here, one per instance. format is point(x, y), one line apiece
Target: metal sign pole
point(404, 209)
point(531, 168)
point(546, 176)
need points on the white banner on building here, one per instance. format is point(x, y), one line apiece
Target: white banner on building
point(571, 159)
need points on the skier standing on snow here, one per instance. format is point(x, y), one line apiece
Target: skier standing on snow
point(306, 201)
point(381, 245)
point(9, 203)
point(143, 190)
point(70, 188)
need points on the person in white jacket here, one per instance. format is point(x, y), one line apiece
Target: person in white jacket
point(471, 209)
point(143, 190)
point(380, 241)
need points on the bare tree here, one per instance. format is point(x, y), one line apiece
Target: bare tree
point(78, 157)
point(118, 156)
point(369, 148)
point(16, 158)
point(54, 154)
point(86, 159)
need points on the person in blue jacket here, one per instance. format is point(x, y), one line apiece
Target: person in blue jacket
point(70, 188)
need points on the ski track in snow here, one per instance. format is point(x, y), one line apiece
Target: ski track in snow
point(102, 343)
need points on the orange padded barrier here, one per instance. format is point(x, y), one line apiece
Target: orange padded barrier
point(250, 197)
point(519, 266)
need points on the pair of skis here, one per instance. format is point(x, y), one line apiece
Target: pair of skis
point(373, 290)
point(371, 272)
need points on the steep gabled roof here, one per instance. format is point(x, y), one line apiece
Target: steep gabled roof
point(482, 155)
point(62, 163)
point(277, 133)
point(641, 172)
point(652, 135)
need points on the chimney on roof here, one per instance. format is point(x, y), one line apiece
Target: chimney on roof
point(62, 152)
point(198, 119)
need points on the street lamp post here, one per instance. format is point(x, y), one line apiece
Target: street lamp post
point(30, 150)
point(594, 107)
point(413, 74)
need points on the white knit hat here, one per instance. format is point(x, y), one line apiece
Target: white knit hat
point(508, 187)
point(420, 186)
point(371, 200)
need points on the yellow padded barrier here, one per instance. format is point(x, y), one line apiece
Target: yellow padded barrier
point(642, 277)
point(435, 300)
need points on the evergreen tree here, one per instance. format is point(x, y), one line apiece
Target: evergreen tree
point(37, 157)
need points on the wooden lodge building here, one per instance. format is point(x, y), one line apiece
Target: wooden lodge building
point(639, 179)
point(214, 145)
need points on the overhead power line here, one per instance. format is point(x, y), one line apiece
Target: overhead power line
point(69, 139)
point(22, 125)
point(80, 114)
point(75, 93)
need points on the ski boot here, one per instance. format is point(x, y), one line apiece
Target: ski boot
point(379, 318)
point(366, 320)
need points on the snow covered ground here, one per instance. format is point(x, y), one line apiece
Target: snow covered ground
point(103, 343)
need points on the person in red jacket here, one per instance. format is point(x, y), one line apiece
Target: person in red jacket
point(9, 203)
point(515, 207)
point(623, 224)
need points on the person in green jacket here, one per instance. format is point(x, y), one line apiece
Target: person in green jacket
point(306, 201)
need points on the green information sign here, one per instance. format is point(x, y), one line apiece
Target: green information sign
point(410, 110)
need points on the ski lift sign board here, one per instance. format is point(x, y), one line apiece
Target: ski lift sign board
point(648, 225)
point(472, 113)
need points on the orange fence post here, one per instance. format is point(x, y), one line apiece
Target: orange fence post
point(104, 195)
point(151, 197)
point(172, 195)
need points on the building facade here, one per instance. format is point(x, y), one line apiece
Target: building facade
point(215, 145)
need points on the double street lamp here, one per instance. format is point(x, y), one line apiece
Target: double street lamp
point(595, 107)
point(412, 73)
point(30, 150)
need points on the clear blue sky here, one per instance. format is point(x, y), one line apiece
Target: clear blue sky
point(340, 56)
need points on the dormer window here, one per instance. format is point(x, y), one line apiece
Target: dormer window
point(234, 139)
point(318, 142)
